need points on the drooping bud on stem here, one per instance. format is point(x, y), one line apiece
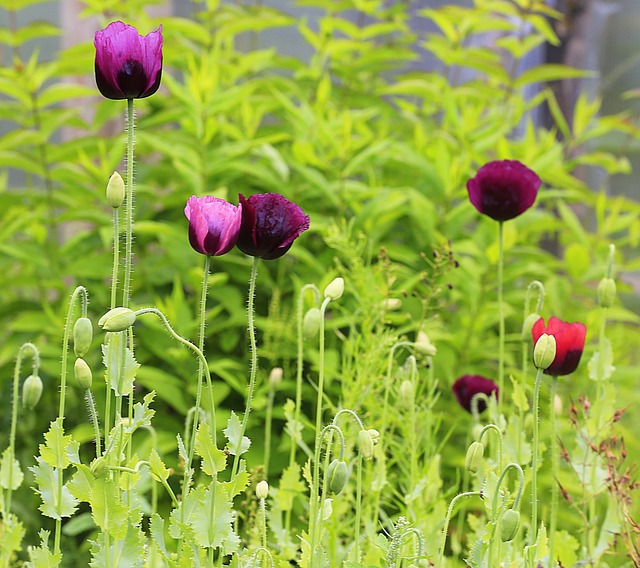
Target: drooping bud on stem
point(335, 289)
point(337, 476)
point(31, 391)
point(82, 336)
point(473, 460)
point(365, 444)
point(117, 319)
point(510, 525)
point(83, 374)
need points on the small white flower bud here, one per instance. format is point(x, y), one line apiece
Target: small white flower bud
point(474, 457)
point(545, 351)
point(115, 190)
point(31, 391)
point(82, 336)
point(275, 377)
point(335, 289)
point(375, 436)
point(262, 490)
point(83, 374)
point(423, 345)
point(117, 319)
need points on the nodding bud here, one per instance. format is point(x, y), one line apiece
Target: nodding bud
point(510, 525)
point(117, 319)
point(31, 391)
point(311, 323)
point(98, 467)
point(545, 351)
point(115, 190)
point(275, 377)
point(83, 374)
point(337, 476)
point(527, 326)
point(82, 336)
point(262, 490)
point(474, 457)
point(405, 393)
point(327, 509)
point(424, 346)
point(335, 289)
point(365, 444)
point(606, 292)
point(375, 436)
point(391, 304)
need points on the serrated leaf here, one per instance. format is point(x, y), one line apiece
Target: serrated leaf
point(156, 527)
point(157, 469)
point(600, 366)
point(181, 516)
point(290, 487)
point(81, 484)
point(11, 534)
point(519, 397)
point(232, 433)
point(213, 459)
point(106, 509)
point(142, 413)
point(121, 366)
point(10, 468)
point(41, 556)
point(57, 447)
point(46, 478)
point(212, 521)
point(239, 483)
point(130, 553)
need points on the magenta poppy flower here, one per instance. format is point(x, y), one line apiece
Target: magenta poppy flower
point(270, 224)
point(128, 65)
point(503, 189)
point(569, 344)
point(213, 224)
point(467, 386)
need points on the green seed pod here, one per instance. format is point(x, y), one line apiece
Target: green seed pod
point(83, 374)
point(337, 476)
point(606, 292)
point(527, 326)
point(509, 525)
point(82, 336)
point(115, 190)
point(31, 391)
point(311, 323)
point(262, 490)
point(117, 319)
point(473, 461)
point(365, 444)
point(545, 351)
point(98, 467)
point(335, 289)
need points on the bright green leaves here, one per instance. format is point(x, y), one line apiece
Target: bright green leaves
point(233, 433)
point(107, 510)
point(212, 519)
point(120, 363)
point(130, 550)
point(600, 365)
point(11, 475)
point(213, 459)
point(11, 534)
point(56, 503)
point(41, 556)
point(59, 450)
point(158, 470)
point(291, 485)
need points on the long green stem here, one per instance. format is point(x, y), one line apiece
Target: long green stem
point(267, 431)
point(447, 520)
point(498, 433)
point(534, 459)
point(93, 414)
point(319, 401)
point(554, 469)
point(501, 314)
point(116, 258)
point(128, 260)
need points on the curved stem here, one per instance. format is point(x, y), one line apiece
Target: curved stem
point(534, 459)
point(554, 470)
point(128, 260)
point(500, 442)
point(447, 519)
point(501, 314)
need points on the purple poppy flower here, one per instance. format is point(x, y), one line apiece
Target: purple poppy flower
point(467, 386)
point(213, 224)
point(503, 189)
point(270, 224)
point(128, 65)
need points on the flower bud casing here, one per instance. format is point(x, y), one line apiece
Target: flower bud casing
point(365, 444)
point(327, 509)
point(509, 525)
point(82, 336)
point(275, 377)
point(311, 323)
point(527, 326)
point(31, 391)
point(337, 476)
point(474, 457)
point(262, 490)
point(375, 436)
point(83, 374)
point(405, 393)
point(117, 319)
point(545, 351)
point(606, 292)
point(335, 289)
point(424, 346)
point(115, 190)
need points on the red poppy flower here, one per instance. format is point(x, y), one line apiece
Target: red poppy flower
point(569, 343)
point(503, 189)
point(467, 386)
point(213, 224)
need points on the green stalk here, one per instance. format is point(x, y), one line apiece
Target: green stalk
point(93, 414)
point(554, 470)
point(128, 260)
point(319, 400)
point(534, 459)
point(267, 431)
point(447, 520)
point(501, 314)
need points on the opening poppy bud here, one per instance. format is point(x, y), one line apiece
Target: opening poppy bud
point(83, 374)
point(31, 391)
point(117, 319)
point(375, 436)
point(405, 394)
point(545, 351)
point(474, 457)
point(606, 292)
point(510, 525)
point(337, 476)
point(327, 509)
point(311, 323)
point(335, 289)
point(82, 336)
point(262, 490)
point(365, 444)
point(98, 467)
point(423, 345)
point(115, 190)
point(527, 326)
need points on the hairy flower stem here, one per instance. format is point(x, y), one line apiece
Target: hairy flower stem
point(253, 370)
point(319, 400)
point(447, 520)
point(93, 414)
point(116, 258)
point(267, 430)
point(128, 260)
point(501, 315)
point(498, 433)
point(534, 459)
point(554, 471)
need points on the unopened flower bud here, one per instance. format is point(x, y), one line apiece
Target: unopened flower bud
point(31, 391)
point(327, 509)
point(311, 323)
point(365, 444)
point(275, 377)
point(405, 393)
point(82, 336)
point(545, 351)
point(335, 289)
point(423, 345)
point(391, 304)
point(375, 436)
point(473, 461)
point(83, 374)
point(262, 490)
point(98, 467)
point(115, 190)
point(527, 326)
point(510, 525)
point(606, 292)
point(337, 476)
point(117, 319)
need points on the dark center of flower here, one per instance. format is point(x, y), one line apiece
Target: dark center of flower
point(132, 79)
point(502, 201)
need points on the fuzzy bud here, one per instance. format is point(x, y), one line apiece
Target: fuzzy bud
point(31, 391)
point(275, 377)
point(527, 326)
point(83, 374)
point(405, 394)
point(337, 476)
point(474, 457)
point(545, 351)
point(375, 436)
point(98, 467)
point(311, 323)
point(327, 509)
point(510, 525)
point(115, 190)
point(262, 490)
point(606, 292)
point(117, 319)
point(365, 444)
point(424, 346)
point(82, 336)
point(335, 289)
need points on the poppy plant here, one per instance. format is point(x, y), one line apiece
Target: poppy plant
point(213, 224)
point(270, 224)
point(128, 65)
point(569, 344)
point(468, 386)
point(503, 189)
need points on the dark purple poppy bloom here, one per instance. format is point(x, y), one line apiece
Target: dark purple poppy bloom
point(467, 386)
point(503, 189)
point(213, 224)
point(270, 224)
point(128, 65)
point(569, 338)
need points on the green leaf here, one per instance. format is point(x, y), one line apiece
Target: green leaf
point(131, 550)
point(120, 363)
point(600, 365)
point(142, 414)
point(106, 509)
point(9, 466)
point(232, 433)
point(41, 556)
point(81, 484)
point(58, 450)
point(213, 459)
point(11, 534)
point(46, 478)
point(565, 548)
point(291, 485)
point(212, 520)
point(156, 467)
point(549, 72)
